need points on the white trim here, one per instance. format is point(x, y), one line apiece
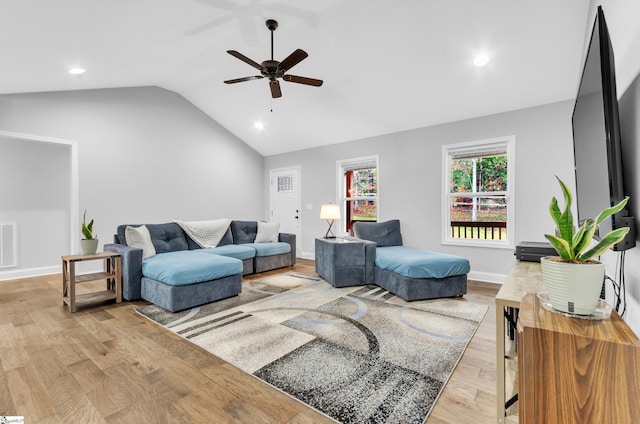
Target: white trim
point(487, 277)
point(341, 232)
point(75, 194)
point(492, 244)
point(29, 272)
point(308, 255)
point(509, 142)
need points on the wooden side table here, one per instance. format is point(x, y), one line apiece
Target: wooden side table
point(525, 277)
point(112, 274)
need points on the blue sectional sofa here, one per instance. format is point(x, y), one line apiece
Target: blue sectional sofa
point(412, 274)
point(182, 275)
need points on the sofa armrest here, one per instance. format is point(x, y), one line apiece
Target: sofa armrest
point(369, 259)
point(291, 239)
point(131, 269)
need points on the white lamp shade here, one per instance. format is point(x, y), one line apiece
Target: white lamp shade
point(330, 211)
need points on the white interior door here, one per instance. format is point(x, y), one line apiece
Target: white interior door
point(285, 201)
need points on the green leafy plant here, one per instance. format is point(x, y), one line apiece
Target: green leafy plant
point(87, 229)
point(571, 245)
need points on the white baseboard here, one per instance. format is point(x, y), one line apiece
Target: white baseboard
point(308, 255)
point(29, 272)
point(488, 277)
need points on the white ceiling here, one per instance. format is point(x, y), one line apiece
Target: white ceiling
point(387, 66)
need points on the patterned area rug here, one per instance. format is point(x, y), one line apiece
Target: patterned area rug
point(357, 354)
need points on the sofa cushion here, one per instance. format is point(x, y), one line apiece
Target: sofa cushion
point(382, 233)
point(418, 263)
point(244, 231)
point(165, 237)
point(140, 238)
point(270, 249)
point(238, 251)
point(189, 267)
point(267, 232)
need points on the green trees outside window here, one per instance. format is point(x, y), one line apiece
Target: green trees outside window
point(478, 203)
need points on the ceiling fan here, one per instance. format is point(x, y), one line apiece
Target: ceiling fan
point(272, 69)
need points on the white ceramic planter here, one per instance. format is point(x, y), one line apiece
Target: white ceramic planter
point(88, 246)
point(573, 288)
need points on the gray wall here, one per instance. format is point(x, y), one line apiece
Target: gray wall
point(146, 155)
point(35, 178)
point(410, 178)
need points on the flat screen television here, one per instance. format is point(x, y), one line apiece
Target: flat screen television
point(596, 137)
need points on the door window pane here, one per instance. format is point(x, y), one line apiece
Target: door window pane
point(285, 184)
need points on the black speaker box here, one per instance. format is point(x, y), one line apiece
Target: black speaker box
point(532, 251)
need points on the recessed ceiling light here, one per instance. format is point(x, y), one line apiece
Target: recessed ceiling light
point(481, 60)
point(258, 125)
point(77, 71)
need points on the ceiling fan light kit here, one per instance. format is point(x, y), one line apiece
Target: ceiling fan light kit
point(273, 69)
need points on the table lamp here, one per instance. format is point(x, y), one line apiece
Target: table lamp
point(330, 213)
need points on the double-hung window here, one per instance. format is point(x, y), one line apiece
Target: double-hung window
point(358, 190)
point(478, 193)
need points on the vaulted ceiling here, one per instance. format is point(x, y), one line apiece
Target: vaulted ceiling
point(387, 66)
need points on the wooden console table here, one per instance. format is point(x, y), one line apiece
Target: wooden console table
point(525, 277)
point(111, 274)
point(573, 370)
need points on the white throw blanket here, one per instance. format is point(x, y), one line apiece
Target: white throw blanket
point(205, 233)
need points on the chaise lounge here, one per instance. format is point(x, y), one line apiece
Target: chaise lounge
point(411, 273)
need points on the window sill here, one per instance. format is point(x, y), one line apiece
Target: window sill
point(478, 243)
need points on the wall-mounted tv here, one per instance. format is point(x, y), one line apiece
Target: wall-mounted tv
point(596, 137)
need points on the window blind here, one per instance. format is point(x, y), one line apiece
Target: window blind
point(498, 149)
point(355, 166)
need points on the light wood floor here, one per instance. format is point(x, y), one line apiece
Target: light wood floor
point(109, 364)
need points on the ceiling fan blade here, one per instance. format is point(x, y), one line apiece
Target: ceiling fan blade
point(275, 89)
point(245, 59)
point(233, 81)
point(293, 59)
point(303, 80)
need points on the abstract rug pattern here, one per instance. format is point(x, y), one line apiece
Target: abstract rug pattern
point(357, 354)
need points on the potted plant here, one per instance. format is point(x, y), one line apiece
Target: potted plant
point(89, 242)
point(574, 279)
